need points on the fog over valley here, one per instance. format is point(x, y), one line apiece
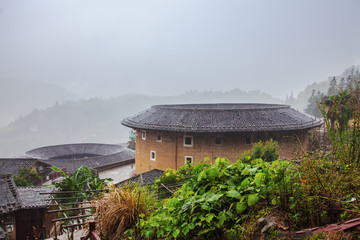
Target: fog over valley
point(70, 71)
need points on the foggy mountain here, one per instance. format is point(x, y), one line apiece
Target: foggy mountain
point(19, 98)
point(98, 120)
point(301, 101)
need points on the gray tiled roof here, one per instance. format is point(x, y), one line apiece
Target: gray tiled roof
point(12, 165)
point(2, 233)
point(77, 148)
point(72, 165)
point(9, 199)
point(31, 198)
point(13, 198)
point(144, 178)
point(221, 118)
point(100, 155)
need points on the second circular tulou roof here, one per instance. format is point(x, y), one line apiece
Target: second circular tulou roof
point(221, 118)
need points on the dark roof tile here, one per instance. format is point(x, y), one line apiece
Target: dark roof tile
point(221, 118)
point(31, 198)
point(9, 199)
point(100, 155)
point(144, 178)
point(12, 165)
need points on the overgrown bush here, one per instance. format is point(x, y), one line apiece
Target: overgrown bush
point(266, 151)
point(74, 186)
point(325, 193)
point(341, 113)
point(27, 177)
point(218, 196)
point(328, 189)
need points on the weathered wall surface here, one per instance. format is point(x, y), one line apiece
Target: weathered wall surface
point(170, 151)
point(118, 174)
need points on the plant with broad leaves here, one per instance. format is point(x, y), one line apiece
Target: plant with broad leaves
point(216, 197)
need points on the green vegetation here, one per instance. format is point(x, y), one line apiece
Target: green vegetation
point(266, 151)
point(27, 177)
point(225, 200)
point(258, 197)
point(333, 88)
point(218, 197)
point(82, 179)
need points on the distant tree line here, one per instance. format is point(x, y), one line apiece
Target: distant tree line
point(336, 86)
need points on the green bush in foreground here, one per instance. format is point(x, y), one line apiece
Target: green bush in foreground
point(217, 197)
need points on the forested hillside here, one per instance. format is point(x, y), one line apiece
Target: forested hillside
point(301, 101)
point(98, 120)
point(19, 98)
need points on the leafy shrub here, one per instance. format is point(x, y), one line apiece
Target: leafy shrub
point(329, 184)
point(266, 151)
point(170, 176)
point(119, 210)
point(325, 192)
point(82, 179)
point(216, 197)
point(27, 177)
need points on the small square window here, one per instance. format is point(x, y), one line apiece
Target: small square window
point(218, 140)
point(188, 141)
point(188, 159)
point(143, 135)
point(152, 155)
point(159, 138)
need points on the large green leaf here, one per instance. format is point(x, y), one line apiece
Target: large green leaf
point(176, 232)
point(209, 217)
point(56, 169)
point(245, 172)
point(240, 207)
point(233, 194)
point(222, 218)
point(252, 199)
point(212, 173)
point(245, 182)
point(259, 178)
point(213, 197)
point(185, 230)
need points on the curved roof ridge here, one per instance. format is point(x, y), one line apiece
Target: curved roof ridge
point(221, 106)
point(221, 117)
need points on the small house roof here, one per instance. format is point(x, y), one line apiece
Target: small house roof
point(9, 199)
point(242, 117)
point(12, 165)
point(93, 155)
point(30, 197)
point(143, 178)
point(3, 234)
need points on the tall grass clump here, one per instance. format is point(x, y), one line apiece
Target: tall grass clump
point(120, 208)
point(341, 113)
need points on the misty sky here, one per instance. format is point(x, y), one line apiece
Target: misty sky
point(164, 47)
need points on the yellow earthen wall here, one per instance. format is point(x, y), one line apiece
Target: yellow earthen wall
point(171, 152)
